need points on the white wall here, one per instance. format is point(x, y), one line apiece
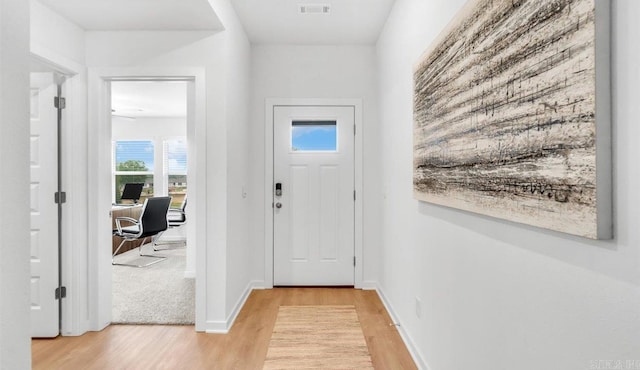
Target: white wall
point(225, 57)
point(51, 32)
point(15, 343)
point(499, 295)
point(288, 71)
point(158, 48)
point(238, 94)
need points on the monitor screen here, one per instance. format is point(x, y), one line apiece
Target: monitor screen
point(132, 191)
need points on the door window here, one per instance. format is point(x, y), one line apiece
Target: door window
point(314, 136)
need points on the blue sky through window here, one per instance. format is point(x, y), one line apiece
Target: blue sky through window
point(308, 137)
point(135, 150)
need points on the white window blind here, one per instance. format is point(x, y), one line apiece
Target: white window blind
point(176, 152)
point(133, 162)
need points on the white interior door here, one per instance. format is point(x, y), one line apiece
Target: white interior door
point(313, 195)
point(44, 211)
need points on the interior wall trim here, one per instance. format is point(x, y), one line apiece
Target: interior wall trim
point(223, 327)
point(420, 362)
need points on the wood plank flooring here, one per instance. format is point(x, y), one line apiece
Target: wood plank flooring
point(245, 347)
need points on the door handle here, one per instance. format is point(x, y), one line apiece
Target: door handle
point(278, 205)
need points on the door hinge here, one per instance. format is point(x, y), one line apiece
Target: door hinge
point(354, 195)
point(354, 261)
point(60, 197)
point(59, 102)
point(61, 292)
point(354, 129)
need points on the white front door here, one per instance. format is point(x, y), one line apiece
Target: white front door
point(44, 211)
point(313, 195)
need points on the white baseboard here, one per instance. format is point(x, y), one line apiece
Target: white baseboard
point(406, 338)
point(216, 327)
point(369, 285)
point(223, 327)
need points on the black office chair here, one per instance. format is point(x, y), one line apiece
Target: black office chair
point(175, 217)
point(152, 222)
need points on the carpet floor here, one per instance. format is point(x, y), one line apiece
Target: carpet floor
point(156, 294)
point(317, 337)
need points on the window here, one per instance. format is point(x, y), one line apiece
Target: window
point(133, 162)
point(176, 170)
point(314, 136)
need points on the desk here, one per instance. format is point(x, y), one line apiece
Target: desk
point(124, 211)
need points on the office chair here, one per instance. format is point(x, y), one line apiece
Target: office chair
point(175, 217)
point(152, 222)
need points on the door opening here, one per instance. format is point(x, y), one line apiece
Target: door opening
point(149, 149)
point(101, 183)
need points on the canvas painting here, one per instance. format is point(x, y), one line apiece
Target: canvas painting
point(505, 116)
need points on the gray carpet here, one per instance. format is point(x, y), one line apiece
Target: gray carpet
point(156, 294)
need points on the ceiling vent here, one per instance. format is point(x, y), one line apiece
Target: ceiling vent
point(314, 8)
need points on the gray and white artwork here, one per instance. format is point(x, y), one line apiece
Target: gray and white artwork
point(504, 114)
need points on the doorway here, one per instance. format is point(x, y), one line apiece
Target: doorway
point(313, 215)
point(149, 148)
point(101, 183)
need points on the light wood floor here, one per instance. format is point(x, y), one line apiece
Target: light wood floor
point(245, 347)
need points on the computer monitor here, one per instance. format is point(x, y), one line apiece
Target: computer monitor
point(132, 191)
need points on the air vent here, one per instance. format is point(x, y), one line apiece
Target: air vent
point(314, 8)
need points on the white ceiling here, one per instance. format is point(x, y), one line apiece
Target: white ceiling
point(279, 21)
point(149, 99)
point(265, 21)
point(107, 15)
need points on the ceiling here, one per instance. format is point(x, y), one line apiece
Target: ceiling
point(279, 21)
point(105, 15)
point(149, 99)
point(265, 21)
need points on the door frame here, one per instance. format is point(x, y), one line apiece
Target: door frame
point(99, 154)
point(271, 104)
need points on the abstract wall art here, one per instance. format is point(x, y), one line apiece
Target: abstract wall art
point(512, 115)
